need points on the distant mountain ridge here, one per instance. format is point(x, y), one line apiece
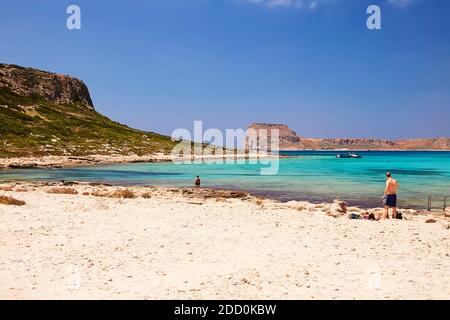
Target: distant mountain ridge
point(289, 140)
point(43, 113)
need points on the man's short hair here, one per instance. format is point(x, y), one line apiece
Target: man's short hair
point(388, 174)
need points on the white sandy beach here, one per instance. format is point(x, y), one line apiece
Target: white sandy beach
point(174, 246)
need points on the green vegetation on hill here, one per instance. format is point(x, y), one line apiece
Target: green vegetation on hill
point(33, 126)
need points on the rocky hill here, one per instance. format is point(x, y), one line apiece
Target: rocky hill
point(289, 140)
point(286, 135)
point(52, 87)
point(43, 113)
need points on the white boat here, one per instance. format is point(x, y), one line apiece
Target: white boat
point(349, 155)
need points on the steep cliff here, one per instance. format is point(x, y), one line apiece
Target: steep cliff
point(43, 113)
point(286, 135)
point(50, 86)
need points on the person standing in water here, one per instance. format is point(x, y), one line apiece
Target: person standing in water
point(197, 181)
point(390, 197)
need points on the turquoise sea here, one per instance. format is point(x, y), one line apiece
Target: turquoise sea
point(307, 175)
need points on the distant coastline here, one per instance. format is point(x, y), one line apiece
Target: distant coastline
point(364, 150)
point(83, 161)
point(288, 139)
point(51, 161)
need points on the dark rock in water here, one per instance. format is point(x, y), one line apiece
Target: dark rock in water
point(98, 184)
point(23, 166)
point(213, 193)
point(70, 183)
point(83, 159)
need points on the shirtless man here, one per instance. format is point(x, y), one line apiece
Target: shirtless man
point(390, 194)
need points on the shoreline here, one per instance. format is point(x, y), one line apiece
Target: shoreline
point(369, 150)
point(91, 241)
point(269, 195)
point(52, 161)
point(332, 208)
point(47, 162)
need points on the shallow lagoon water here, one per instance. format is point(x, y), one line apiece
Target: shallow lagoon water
point(307, 175)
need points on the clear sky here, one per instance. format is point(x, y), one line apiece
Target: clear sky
point(159, 65)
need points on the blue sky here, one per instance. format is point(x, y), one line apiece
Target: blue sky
point(161, 64)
